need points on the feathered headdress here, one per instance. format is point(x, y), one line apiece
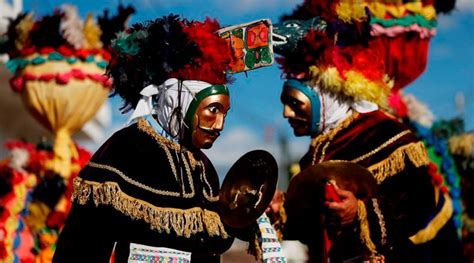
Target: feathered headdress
point(360, 48)
point(63, 31)
point(168, 47)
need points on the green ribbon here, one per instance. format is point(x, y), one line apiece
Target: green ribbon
point(405, 21)
point(209, 91)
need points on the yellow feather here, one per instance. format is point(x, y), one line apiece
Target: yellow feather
point(23, 31)
point(350, 10)
point(92, 33)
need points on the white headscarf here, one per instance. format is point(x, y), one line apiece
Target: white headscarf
point(167, 101)
point(334, 109)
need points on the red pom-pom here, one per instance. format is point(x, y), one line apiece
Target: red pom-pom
point(63, 78)
point(47, 77)
point(56, 219)
point(29, 76)
point(65, 51)
point(82, 53)
point(432, 168)
point(46, 50)
point(78, 74)
point(27, 51)
point(444, 189)
point(396, 102)
point(95, 76)
point(17, 84)
point(105, 55)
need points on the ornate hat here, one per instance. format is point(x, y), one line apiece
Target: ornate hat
point(358, 49)
point(168, 47)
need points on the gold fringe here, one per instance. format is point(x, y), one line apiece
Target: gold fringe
point(184, 222)
point(364, 227)
point(255, 249)
point(395, 163)
point(430, 231)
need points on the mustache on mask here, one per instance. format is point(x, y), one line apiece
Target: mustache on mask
point(297, 120)
point(210, 131)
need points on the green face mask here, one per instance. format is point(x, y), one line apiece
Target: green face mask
point(287, 34)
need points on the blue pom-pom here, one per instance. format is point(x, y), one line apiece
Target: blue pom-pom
point(55, 56)
point(38, 60)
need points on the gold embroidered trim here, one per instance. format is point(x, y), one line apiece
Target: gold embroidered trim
point(184, 222)
point(145, 127)
point(166, 144)
point(395, 162)
point(364, 227)
point(378, 149)
point(138, 184)
point(383, 230)
point(210, 197)
point(429, 232)
point(319, 140)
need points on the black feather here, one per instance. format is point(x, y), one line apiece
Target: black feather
point(46, 32)
point(444, 6)
point(166, 50)
point(110, 26)
point(11, 34)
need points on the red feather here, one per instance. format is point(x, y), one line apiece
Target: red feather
point(216, 56)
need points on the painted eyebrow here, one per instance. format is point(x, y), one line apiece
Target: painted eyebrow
point(291, 99)
point(218, 105)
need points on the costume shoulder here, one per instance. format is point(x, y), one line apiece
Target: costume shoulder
point(139, 163)
point(147, 177)
point(379, 142)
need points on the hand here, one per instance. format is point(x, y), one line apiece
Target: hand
point(346, 210)
point(276, 203)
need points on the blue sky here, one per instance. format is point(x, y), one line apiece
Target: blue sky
point(255, 120)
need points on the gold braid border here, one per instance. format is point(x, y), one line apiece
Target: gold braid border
point(184, 222)
point(434, 226)
point(364, 227)
point(395, 163)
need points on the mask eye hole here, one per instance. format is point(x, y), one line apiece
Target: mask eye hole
point(292, 25)
point(213, 109)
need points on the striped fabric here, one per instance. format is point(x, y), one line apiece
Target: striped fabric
point(141, 254)
point(271, 247)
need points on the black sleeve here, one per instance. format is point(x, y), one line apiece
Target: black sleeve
point(405, 205)
point(87, 235)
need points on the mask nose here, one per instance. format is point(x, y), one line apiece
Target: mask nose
point(219, 124)
point(288, 112)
